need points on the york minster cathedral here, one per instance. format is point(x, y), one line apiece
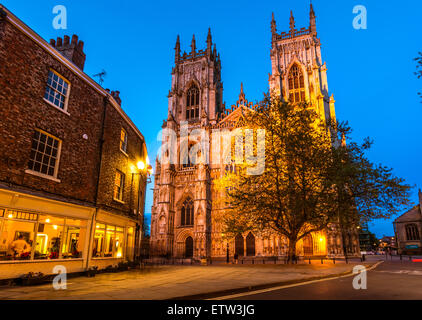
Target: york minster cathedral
point(184, 201)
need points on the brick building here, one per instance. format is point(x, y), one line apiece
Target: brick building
point(73, 166)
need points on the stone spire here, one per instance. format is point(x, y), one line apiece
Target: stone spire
point(273, 25)
point(292, 22)
point(177, 50)
point(193, 46)
point(209, 40)
point(242, 94)
point(312, 21)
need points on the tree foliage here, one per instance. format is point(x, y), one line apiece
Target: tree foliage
point(419, 68)
point(310, 181)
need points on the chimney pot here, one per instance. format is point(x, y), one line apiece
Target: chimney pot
point(73, 51)
point(53, 42)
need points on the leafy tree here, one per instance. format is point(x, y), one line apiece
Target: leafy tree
point(310, 180)
point(419, 68)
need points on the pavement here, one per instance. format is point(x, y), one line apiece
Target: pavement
point(394, 279)
point(171, 282)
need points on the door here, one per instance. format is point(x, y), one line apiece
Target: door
point(308, 246)
point(189, 247)
point(250, 245)
point(239, 245)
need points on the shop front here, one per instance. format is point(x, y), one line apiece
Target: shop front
point(38, 234)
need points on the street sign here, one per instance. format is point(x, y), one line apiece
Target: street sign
point(412, 246)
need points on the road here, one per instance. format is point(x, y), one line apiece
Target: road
point(392, 280)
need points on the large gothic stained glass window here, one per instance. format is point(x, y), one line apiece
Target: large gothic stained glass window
point(296, 85)
point(187, 213)
point(192, 103)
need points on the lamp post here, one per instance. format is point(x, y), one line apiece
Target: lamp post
point(144, 172)
point(227, 253)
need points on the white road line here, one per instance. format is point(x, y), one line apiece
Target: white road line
point(250, 293)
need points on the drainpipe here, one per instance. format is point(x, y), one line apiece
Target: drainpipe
point(94, 216)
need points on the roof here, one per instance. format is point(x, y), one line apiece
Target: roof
point(412, 215)
point(31, 34)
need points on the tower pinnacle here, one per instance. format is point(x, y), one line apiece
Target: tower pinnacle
point(177, 49)
point(312, 21)
point(292, 22)
point(193, 46)
point(273, 25)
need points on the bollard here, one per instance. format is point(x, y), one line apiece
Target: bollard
point(322, 260)
point(334, 260)
point(347, 260)
point(401, 257)
point(309, 260)
point(263, 261)
point(253, 261)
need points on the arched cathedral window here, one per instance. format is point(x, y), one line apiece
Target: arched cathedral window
point(192, 103)
point(296, 85)
point(187, 214)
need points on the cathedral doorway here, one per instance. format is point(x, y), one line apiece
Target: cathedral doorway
point(239, 245)
point(189, 247)
point(250, 245)
point(308, 246)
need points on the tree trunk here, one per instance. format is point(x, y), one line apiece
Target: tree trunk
point(291, 258)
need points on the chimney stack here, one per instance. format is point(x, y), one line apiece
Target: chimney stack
point(116, 96)
point(71, 49)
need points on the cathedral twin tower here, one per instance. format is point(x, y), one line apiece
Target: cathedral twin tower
point(184, 201)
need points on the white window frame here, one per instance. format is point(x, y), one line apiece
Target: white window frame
point(66, 102)
point(122, 186)
point(120, 140)
point(56, 167)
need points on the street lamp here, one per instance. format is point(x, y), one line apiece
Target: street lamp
point(144, 171)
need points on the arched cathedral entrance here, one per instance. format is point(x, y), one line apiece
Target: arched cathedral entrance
point(308, 246)
point(189, 247)
point(250, 244)
point(239, 245)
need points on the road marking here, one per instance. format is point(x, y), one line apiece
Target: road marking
point(250, 293)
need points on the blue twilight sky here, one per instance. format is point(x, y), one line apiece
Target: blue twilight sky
point(370, 72)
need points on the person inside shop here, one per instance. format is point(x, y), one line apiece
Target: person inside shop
point(19, 247)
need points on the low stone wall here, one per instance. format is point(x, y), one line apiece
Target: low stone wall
point(15, 269)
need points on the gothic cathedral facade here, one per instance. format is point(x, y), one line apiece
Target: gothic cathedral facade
point(184, 201)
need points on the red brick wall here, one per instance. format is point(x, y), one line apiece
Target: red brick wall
point(113, 159)
point(24, 68)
